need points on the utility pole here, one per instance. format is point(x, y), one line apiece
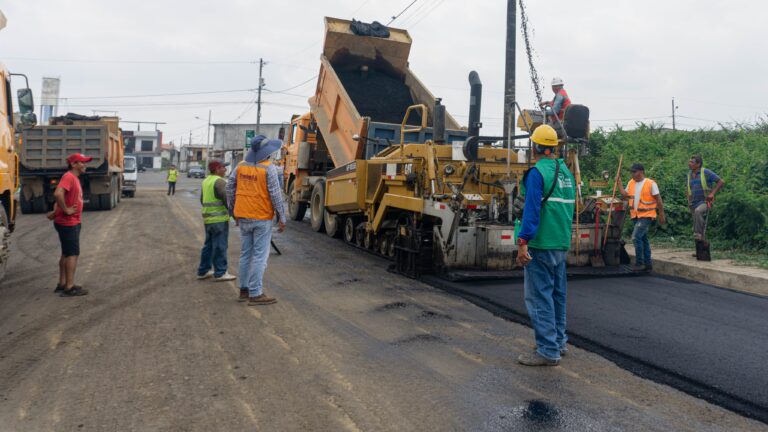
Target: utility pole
point(509, 74)
point(673, 114)
point(208, 142)
point(258, 101)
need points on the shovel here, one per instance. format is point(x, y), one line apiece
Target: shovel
point(702, 246)
point(596, 259)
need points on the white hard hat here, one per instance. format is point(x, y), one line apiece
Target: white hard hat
point(557, 81)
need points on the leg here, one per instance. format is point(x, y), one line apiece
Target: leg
point(637, 241)
point(62, 271)
point(219, 244)
point(173, 187)
point(246, 251)
point(70, 265)
point(647, 244)
point(699, 216)
point(169, 188)
point(261, 237)
point(539, 285)
point(205, 253)
point(559, 297)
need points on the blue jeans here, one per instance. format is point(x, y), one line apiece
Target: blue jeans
point(640, 239)
point(255, 236)
point(545, 289)
point(215, 249)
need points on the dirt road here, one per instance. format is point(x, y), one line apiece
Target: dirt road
point(349, 346)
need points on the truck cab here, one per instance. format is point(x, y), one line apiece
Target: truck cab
point(130, 176)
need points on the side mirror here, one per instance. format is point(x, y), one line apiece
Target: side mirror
point(26, 108)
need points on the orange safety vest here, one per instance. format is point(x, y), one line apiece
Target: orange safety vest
point(252, 200)
point(646, 208)
point(566, 103)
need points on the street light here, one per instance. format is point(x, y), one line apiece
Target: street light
point(208, 142)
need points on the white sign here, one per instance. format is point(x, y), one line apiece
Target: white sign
point(50, 93)
point(457, 153)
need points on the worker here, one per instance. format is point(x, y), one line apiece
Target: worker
point(700, 198)
point(172, 174)
point(67, 217)
point(254, 196)
point(561, 101)
point(213, 197)
point(543, 242)
point(644, 203)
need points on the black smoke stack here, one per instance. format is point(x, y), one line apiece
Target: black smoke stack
point(475, 99)
point(438, 123)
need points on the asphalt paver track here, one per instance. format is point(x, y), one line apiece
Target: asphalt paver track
point(707, 341)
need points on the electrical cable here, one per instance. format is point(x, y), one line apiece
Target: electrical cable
point(401, 12)
point(160, 94)
point(428, 13)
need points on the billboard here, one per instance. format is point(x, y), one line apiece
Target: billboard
point(49, 98)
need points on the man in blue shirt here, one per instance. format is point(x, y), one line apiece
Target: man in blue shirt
point(701, 193)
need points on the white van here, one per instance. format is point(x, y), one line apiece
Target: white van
point(130, 176)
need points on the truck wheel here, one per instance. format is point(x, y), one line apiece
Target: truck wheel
point(332, 224)
point(349, 230)
point(26, 205)
point(104, 201)
point(39, 205)
point(317, 210)
point(5, 241)
point(296, 209)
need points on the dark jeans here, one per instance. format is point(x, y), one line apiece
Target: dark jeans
point(640, 239)
point(171, 188)
point(215, 249)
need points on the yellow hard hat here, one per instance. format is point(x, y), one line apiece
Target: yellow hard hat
point(545, 135)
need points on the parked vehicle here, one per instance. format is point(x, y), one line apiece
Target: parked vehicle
point(196, 172)
point(130, 176)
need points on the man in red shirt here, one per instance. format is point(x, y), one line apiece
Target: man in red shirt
point(66, 216)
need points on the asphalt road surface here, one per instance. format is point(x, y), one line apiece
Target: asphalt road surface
point(348, 346)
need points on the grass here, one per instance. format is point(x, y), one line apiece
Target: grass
point(719, 250)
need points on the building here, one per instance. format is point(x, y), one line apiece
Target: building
point(192, 155)
point(146, 145)
point(229, 140)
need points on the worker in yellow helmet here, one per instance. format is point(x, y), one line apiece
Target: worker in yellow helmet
point(543, 242)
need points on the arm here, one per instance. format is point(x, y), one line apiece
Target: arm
point(231, 190)
point(534, 188)
point(660, 208)
point(712, 178)
point(276, 195)
point(557, 105)
point(220, 191)
point(61, 202)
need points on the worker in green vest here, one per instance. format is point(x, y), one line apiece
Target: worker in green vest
point(543, 242)
point(213, 197)
point(172, 174)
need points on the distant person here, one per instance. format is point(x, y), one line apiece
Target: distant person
point(543, 242)
point(644, 203)
point(561, 101)
point(254, 196)
point(67, 215)
point(701, 194)
point(172, 175)
point(213, 197)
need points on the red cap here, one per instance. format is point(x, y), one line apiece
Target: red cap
point(78, 157)
point(215, 164)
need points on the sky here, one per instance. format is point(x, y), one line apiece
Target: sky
point(625, 60)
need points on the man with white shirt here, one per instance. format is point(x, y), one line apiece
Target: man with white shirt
point(644, 202)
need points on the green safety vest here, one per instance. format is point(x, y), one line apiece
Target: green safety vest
point(701, 177)
point(172, 175)
point(556, 215)
point(214, 210)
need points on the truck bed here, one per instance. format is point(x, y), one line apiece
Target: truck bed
point(45, 148)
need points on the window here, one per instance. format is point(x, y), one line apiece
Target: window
point(146, 162)
point(146, 145)
point(8, 102)
point(293, 132)
point(130, 145)
point(130, 164)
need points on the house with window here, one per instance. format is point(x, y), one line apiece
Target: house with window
point(147, 146)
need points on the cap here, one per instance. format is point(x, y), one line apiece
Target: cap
point(78, 157)
point(637, 167)
point(216, 164)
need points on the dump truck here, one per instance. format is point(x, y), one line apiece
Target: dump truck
point(43, 161)
point(10, 123)
point(379, 162)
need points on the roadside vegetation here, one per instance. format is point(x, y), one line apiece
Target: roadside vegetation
point(738, 224)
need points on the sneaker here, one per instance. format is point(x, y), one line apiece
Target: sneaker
point(225, 277)
point(75, 291)
point(261, 300)
point(563, 351)
point(205, 276)
point(536, 359)
point(243, 295)
point(59, 288)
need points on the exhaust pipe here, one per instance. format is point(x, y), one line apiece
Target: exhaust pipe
point(438, 123)
point(475, 99)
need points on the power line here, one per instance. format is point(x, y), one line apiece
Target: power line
point(401, 12)
point(60, 60)
point(291, 88)
point(428, 13)
point(414, 13)
point(160, 94)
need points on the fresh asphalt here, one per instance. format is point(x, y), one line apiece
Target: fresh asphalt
point(706, 341)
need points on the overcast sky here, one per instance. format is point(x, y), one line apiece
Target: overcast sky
point(623, 59)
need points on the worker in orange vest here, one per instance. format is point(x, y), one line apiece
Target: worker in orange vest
point(254, 197)
point(559, 103)
point(644, 203)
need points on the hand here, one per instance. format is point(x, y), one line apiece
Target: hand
point(51, 215)
point(662, 219)
point(69, 211)
point(523, 257)
point(710, 199)
point(280, 227)
point(237, 222)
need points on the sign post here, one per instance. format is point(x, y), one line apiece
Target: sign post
point(249, 134)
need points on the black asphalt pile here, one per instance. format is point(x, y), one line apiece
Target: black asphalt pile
point(379, 96)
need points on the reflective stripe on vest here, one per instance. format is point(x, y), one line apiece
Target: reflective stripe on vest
point(701, 178)
point(646, 208)
point(566, 103)
point(214, 210)
point(252, 200)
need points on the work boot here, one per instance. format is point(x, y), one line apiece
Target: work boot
point(225, 277)
point(243, 295)
point(536, 359)
point(638, 268)
point(261, 300)
point(59, 288)
point(75, 291)
point(205, 276)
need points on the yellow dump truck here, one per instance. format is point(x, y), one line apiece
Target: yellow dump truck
point(379, 162)
point(10, 123)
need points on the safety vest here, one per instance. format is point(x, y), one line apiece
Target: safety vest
point(556, 217)
point(566, 103)
point(214, 210)
point(172, 175)
point(646, 208)
point(252, 200)
point(701, 178)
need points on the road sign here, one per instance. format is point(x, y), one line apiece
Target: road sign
point(249, 134)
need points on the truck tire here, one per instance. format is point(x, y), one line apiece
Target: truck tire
point(104, 201)
point(39, 205)
point(349, 229)
point(5, 241)
point(296, 209)
point(332, 224)
point(26, 205)
point(317, 209)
